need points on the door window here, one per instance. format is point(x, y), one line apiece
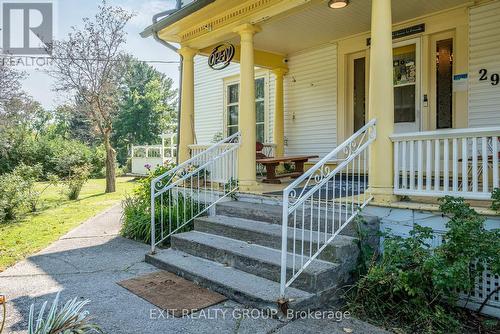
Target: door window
point(405, 80)
point(444, 84)
point(359, 104)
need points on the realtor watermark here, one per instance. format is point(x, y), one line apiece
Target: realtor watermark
point(26, 61)
point(246, 313)
point(27, 30)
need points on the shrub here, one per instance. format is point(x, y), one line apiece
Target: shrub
point(137, 219)
point(416, 288)
point(78, 177)
point(12, 195)
point(31, 174)
point(70, 318)
point(98, 161)
point(65, 155)
point(495, 196)
point(56, 154)
point(17, 190)
point(34, 193)
point(137, 210)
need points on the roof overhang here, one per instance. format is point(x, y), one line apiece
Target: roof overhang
point(207, 22)
point(175, 17)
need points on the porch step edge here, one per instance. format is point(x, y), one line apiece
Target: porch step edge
point(270, 235)
point(244, 288)
point(259, 260)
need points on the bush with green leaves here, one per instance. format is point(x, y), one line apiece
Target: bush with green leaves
point(137, 210)
point(415, 287)
point(78, 177)
point(56, 154)
point(495, 197)
point(35, 193)
point(30, 175)
point(18, 190)
point(66, 319)
point(12, 195)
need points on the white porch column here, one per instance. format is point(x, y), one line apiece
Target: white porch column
point(279, 114)
point(186, 131)
point(381, 101)
point(246, 114)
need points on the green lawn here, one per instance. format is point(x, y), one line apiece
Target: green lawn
point(32, 232)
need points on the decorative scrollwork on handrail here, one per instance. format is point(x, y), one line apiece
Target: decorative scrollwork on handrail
point(321, 172)
point(322, 202)
point(190, 189)
point(171, 177)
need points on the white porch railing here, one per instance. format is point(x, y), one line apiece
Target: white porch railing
point(318, 205)
point(458, 162)
point(146, 151)
point(192, 188)
point(146, 157)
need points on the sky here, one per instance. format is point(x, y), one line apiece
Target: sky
point(70, 13)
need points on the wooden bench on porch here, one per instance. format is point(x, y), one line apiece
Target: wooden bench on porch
point(271, 163)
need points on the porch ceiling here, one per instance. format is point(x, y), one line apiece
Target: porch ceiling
point(316, 24)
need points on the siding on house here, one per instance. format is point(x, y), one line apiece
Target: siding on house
point(209, 99)
point(311, 102)
point(484, 45)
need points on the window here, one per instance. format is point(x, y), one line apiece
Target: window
point(444, 84)
point(405, 73)
point(359, 93)
point(232, 108)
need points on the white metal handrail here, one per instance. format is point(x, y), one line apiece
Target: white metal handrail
point(457, 162)
point(320, 204)
point(268, 150)
point(192, 188)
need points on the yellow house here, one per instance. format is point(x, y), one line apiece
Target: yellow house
point(382, 100)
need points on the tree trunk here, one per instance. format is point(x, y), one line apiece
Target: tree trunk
point(110, 165)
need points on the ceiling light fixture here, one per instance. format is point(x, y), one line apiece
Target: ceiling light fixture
point(337, 4)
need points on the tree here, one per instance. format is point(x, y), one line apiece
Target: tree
point(71, 122)
point(10, 84)
point(22, 120)
point(87, 63)
point(147, 107)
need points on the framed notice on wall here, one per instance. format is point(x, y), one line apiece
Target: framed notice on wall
point(460, 82)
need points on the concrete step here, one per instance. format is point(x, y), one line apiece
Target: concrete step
point(245, 288)
point(248, 210)
point(262, 261)
point(273, 214)
point(342, 249)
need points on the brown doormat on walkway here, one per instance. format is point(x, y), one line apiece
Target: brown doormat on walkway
point(172, 293)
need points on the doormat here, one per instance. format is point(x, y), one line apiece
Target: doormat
point(172, 293)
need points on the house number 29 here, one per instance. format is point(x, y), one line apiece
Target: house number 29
point(494, 78)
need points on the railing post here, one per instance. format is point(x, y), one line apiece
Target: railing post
point(284, 246)
point(153, 227)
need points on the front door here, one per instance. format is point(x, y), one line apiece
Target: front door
point(357, 92)
point(406, 81)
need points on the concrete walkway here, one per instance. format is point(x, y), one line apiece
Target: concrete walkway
point(88, 261)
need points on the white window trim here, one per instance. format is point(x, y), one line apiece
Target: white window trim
point(235, 79)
